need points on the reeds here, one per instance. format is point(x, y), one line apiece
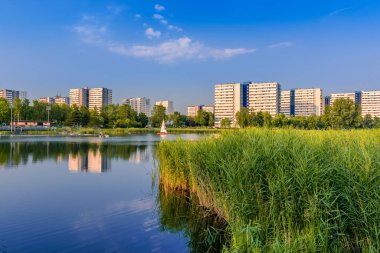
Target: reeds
point(284, 190)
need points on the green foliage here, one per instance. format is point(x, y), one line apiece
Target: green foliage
point(225, 123)
point(284, 190)
point(158, 115)
point(5, 115)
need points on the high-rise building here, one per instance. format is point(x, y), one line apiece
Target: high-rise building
point(229, 99)
point(287, 103)
point(208, 108)
point(308, 102)
point(140, 105)
point(192, 110)
point(11, 95)
point(61, 100)
point(264, 97)
point(47, 100)
point(79, 97)
point(370, 103)
point(327, 100)
point(99, 97)
point(167, 104)
point(354, 96)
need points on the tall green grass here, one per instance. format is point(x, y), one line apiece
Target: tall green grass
point(284, 190)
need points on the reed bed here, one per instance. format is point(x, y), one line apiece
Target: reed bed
point(284, 190)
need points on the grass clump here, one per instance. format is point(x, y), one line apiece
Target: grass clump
point(284, 190)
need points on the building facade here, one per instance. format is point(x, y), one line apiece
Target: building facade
point(140, 105)
point(264, 97)
point(354, 96)
point(192, 111)
point(61, 100)
point(370, 103)
point(208, 108)
point(46, 100)
point(167, 104)
point(11, 95)
point(287, 103)
point(308, 102)
point(79, 97)
point(229, 98)
point(98, 98)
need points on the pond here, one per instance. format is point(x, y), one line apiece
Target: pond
point(71, 194)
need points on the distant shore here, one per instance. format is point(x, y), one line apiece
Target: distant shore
point(108, 131)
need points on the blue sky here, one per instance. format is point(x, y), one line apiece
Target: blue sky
point(179, 49)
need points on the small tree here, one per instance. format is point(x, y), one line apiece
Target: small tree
point(225, 123)
point(158, 115)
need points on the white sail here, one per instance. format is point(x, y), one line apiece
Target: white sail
point(163, 127)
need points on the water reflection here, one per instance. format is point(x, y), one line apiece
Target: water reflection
point(180, 212)
point(81, 156)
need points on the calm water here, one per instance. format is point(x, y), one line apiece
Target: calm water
point(61, 194)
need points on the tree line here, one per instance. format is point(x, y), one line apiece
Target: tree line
point(111, 116)
point(343, 114)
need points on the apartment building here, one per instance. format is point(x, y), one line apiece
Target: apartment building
point(308, 102)
point(167, 104)
point(208, 108)
point(287, 102)
point(354, 96)
point(46, 100)
point(264, 97)
point(192, 111)
point(61, 100)
point(370, 103)
point(140, 105)
point(229, 99)
point(79, 97)
point(98, 98)
point(11, 95)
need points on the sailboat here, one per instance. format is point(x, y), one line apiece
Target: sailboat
point(163, 130)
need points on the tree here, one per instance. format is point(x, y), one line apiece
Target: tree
point(344, 114)
point(267, 119)
point(143, 119)
point(158, 115)
point(211, 119)
point(4, 111)
point(95, 119)
point(243, 118)
point(367, 121)
point(177, 119)
point(75, 117)
point(85, 115)
point(17, 109)
point(280, 120)
point(225, 123)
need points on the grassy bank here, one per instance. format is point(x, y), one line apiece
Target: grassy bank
point(284, 190)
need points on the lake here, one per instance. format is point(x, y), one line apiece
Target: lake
point(71, 194)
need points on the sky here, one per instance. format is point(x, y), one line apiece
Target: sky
point(179, 49)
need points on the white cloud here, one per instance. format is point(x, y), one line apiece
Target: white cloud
point(184, 49)
point(281, 44)
point(137, 16)
point(169, 51)
point(159, 7)
point(175, 28)
point(115, 10)
point(151, 33)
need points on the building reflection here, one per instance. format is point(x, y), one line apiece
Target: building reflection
point(93, 162)
point(140, 155)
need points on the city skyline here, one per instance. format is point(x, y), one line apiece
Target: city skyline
point(167, 52)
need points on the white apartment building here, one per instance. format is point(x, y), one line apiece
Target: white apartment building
point(99, 97)
point(351, 95)
point(61, 100)
point(208, 108)
point(167, 104)
point(371, 103)
point(140, 105)
point(228, 101)
point(286, 102)
point(308, 102)
point(11, 95)
point(47, 100)
point(79, 97)
point(192, 111)
point(264, 97)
